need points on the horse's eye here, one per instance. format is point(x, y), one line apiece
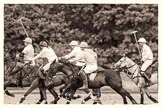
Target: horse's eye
point(121, 61)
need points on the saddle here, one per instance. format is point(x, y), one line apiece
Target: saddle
point(92, 75)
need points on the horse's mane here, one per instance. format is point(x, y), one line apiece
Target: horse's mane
point(130, 60)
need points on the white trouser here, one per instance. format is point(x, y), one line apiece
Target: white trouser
point(47, 66)
point(80, 64)
point(146, 64)
point(90, 68)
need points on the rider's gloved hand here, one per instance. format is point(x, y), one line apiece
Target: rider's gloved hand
point(61, 58)
point(140, 62)
point(142, 73)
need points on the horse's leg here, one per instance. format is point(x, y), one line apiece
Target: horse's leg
point(124, 93)
point(43, 90)
point(141, 84)
point(6, 91)
point(33, 86)
point(56, 97)
point(85, 99)
point(67, 88)
point(67, 95)
point(150, 97)
point(97, 92)
point(61, 88)
point(121, 91)
point(71, 94)
point(41, 97)
point(10, 80)
point(142, 96)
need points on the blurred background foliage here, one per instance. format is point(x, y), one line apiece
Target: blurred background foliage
point(106, 27)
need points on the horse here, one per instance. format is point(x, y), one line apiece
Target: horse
point(52, 80)
point(20, 78)
point(57, 80)
point(106, 77)
point(133, 69)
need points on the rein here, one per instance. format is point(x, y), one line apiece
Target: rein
point(127, 71)
point(132, 73)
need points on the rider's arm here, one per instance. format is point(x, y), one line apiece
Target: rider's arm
point(71, 54)
point(26, 49)
point(77, 58)
point(39, 55)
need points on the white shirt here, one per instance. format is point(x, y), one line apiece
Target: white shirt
point(47, 52)
point(88, 55)
point(73, 54)
point(146, 53)
point(28, 52)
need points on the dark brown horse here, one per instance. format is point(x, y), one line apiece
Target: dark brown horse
point(107, 77)
point(55, 81)
point(28, 76)
point(22, 78)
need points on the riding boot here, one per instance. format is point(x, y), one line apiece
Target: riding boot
point(85, 81)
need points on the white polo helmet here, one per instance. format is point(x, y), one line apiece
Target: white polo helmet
point(43, 43)
point(28, 40)
point(142, 40)
point(83, 45)
point(73, 43)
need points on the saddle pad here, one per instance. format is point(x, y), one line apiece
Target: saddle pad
point(92, 76)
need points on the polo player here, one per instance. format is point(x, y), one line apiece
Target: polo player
point(147, 56)
point(90, 58)
point(27, 54)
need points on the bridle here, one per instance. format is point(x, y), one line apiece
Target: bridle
point(63, 63)
point(126, 69)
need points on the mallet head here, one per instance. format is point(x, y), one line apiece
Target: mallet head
point(133, 32)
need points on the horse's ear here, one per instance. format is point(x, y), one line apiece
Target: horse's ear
point(124, 55)
point(54, 61)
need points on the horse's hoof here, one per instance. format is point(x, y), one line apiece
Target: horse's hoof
point(38, 103)
point(82, 102)
point(45, 102)
point(21, 100)
point(12, 95)
point(94, 102)
point(67, 102)
point(134, 102)
point(55, 101)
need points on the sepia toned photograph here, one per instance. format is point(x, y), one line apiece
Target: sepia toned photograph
point(81, 54)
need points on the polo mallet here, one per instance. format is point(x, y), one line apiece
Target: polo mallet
point(134, 34)
point(20, 20)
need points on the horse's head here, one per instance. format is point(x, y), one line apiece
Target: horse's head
point(69, 68)
point(55, 67)
point(121, 63)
